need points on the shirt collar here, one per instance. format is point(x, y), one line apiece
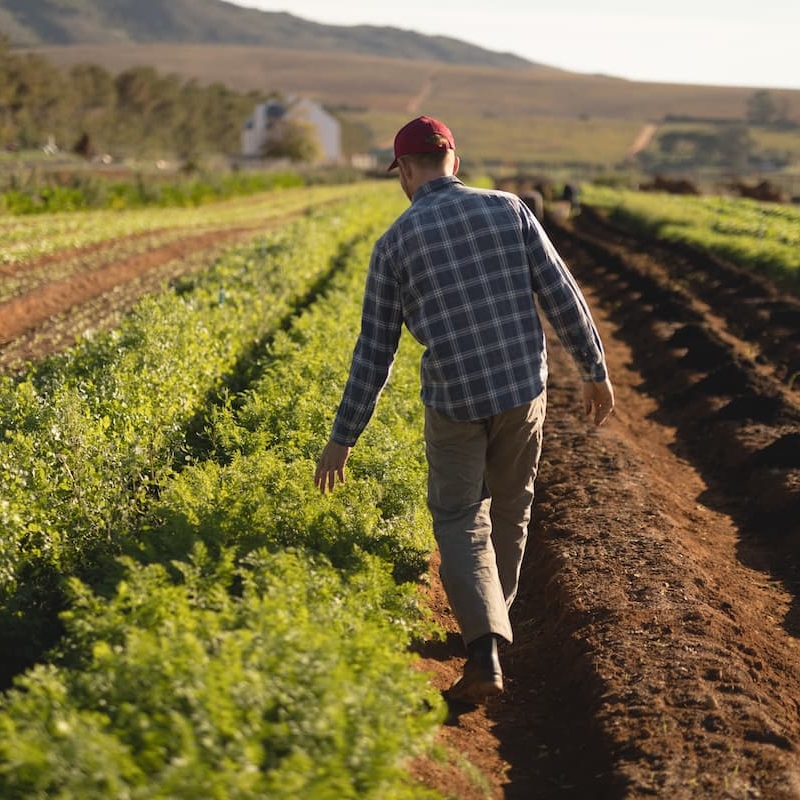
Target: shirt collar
point(434, 186)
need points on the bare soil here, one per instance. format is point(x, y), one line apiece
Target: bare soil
point(50, 316)
point(656, 649)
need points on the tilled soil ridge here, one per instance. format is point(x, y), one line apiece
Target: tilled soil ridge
point(656, 631)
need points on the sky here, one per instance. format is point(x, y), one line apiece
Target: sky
point(735, 43)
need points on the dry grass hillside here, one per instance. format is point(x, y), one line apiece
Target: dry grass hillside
point(536, 116)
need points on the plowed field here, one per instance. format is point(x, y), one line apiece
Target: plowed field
point(657, 629)
point(656, 650)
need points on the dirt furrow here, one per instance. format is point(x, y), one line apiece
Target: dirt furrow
point(29, 310)
point(754, 308)
point(656, 651)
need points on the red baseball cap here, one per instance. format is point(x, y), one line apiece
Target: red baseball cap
point(421, 135)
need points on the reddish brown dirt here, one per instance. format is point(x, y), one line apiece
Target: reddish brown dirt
point(53, 314)
point(656, 650)
point(657, 625)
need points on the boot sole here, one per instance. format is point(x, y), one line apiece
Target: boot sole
point(474, 692)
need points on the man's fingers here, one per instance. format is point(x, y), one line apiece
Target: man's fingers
point(598, 397)
point(325, 477)
point(321, 478)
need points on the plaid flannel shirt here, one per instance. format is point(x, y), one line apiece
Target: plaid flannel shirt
point(463, 269)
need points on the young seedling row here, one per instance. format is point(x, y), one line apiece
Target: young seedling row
point(227, 631)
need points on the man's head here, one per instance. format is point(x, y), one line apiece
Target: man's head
point(422, 135)
point(423, 149)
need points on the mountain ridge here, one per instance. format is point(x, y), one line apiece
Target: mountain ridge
point(75, 22)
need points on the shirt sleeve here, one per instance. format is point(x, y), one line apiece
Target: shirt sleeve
point(564, 305)
point(374, 352)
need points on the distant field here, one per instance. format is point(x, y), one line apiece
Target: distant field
point(532, 142)
point(389, 84)
point(538, 116)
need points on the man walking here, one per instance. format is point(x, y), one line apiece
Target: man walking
point(463, 269)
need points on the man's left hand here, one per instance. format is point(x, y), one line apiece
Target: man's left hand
point(598, 396)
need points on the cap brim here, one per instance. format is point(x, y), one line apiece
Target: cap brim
point(392, 165)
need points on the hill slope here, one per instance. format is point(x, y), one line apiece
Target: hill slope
point(540, 114)
point(506, 111)
point(69, 22)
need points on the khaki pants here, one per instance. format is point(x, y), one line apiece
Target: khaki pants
point(480, 492)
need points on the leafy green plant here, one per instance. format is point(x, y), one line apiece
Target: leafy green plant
point(89, 438)
point(255, 641)
point(296, 685)
point(258, 486)
point(756, 235)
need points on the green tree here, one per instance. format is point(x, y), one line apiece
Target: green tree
point(761, 108)
point(39, 100)
point(735, 147)
point(294, 139)
point(148, 109)
point(212, 119)
point(6, 93)
point(93, 87)
point(94, 98)
point(138, 112)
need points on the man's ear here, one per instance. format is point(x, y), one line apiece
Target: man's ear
point(405, 166)
point(456, 164)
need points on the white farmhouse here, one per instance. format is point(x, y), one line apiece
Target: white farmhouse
point(328, 129)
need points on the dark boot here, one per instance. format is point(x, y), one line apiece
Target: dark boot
point(482, 676)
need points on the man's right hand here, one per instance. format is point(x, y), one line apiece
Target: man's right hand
point(331, 465)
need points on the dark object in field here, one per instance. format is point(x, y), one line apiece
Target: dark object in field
point(535, 202)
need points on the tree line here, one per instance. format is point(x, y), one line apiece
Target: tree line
point(137, 112)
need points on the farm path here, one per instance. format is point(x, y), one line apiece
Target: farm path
point(415, 103)
point(656, 650)
point(643, 139)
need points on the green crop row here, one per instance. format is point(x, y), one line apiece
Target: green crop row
point(88, 438)
point(757, 235)
point(263, 449)
point(25, 238)
point(255, 644)
point(278, 679)
point(85, 191)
